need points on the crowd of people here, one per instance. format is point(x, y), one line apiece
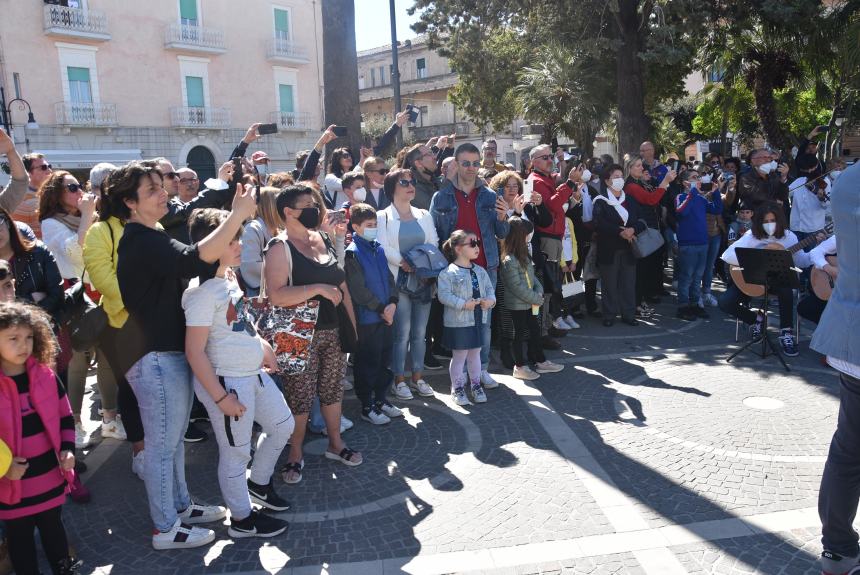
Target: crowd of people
point(260, 290)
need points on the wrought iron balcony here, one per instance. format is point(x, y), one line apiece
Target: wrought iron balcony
point(75, 22)
point(210, 118)
point(194, 38)
point(280, 50)
point(85, 115)
point(291, 121)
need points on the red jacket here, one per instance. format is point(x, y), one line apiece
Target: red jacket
point(554, 199)
point(49, 406)
point(649, 200)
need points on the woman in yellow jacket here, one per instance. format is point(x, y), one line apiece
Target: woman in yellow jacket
point(100, 258)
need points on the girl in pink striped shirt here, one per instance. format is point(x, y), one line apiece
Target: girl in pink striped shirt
point(36, 423)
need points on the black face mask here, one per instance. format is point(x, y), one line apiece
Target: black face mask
point(310, 217)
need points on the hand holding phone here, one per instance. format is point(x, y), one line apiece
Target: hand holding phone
point(528, 188)
point(340, 131)
point(264, 129)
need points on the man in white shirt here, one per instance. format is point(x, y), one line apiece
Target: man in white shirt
point(810, 198)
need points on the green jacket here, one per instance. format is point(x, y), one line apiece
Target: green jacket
point(518, 294)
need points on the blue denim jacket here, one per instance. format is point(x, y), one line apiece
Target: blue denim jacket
point(443, 208)
point(836, 334)
point(455, 289)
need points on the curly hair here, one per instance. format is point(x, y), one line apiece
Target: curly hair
point(122, 185)
point(51, 195)
point(17, 314)
point(281, 180)
point(500, 180)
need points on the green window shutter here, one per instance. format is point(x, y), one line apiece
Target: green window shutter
point(79, 74)
point(188, 9)
point(194, 92)
point(282, 23)
point(285, 92)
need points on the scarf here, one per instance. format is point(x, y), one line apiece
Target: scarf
point(610, 199)
point(68, 220)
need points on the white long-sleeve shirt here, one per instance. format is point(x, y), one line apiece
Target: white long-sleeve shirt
point(808, 213)
point(748, 240)
point(825, 248)
point(63, 243)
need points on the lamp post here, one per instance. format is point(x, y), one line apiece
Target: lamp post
point(6, 112)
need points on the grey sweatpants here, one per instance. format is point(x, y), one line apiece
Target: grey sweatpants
point(265, 404)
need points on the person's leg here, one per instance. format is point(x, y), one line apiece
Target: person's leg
point(487, 334)
point(535, 349)
point(381, 377)
point(417, 330)
point(713, 252)
point(434, 325)
point(300, 390)
point(126, 400)
point(402, 327)
point(52, 533)
point(684, 274)
point(473, 366)
point(107, 385)
point(840, 483)
point(642, 273)
point(811, 307)
point(731, 301)
point(273, 415)
point(180, 397)
point(786, 308)
point(699, 262)
point(329, 389)
point(365, 364)
point(21, 540)
point(76, 380)
point(316, 421)
point(591, 295)
point(627, 285)
point(520, 322)
point(455, 369)
point(609, 289)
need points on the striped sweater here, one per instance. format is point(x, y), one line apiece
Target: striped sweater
point(44, 484)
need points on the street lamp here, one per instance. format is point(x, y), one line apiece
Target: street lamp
point(6, 112)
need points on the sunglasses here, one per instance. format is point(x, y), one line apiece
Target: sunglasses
point(74, 188)
point(5, 273)
point(171, 175)
point(472, 243)
point(44, 167)
point(406, 183)
point(382, 171)
point(468, 164)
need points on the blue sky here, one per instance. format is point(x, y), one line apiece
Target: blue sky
point(372, 24)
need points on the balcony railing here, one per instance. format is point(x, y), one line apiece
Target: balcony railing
point(92, 115)
point(283, 50)
point(426, 132)
point(74, 22)
point(194, 38)
point(291, 121)
point(212, 118)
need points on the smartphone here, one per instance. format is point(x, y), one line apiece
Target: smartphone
point(528, 189)
point(339, 131)
point(674, 165)
point(336, 217)
point(413, 112)
point(264, 129)
point(823, 128)
point(708, 187)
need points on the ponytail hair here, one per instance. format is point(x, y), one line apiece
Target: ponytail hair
point(458, 238)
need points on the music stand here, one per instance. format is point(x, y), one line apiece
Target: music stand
point(771, 269)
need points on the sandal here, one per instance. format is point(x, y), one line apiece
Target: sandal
point(345, 456)
point(296, 468)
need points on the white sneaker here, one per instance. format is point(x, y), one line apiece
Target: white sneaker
point(346, 384)
point(197, 513)
point(487, 380)
point(548, 367)
point(182, 536)
point(478, 395)
point(422, 388)
point(459, 396)
point(525, 373)
point(571, 322)
point(559, 323)
point(345, 425)
point(401, 391)
point(82, 438)
point(710, 300)
point(376, 417)
point(137, 463)
point(114, 429)
point(390, 410)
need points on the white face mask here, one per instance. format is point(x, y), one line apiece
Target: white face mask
point(565, 206)
point(835, 174)
point(706, 179)
point(769, 167)
point(617, 184)
point(595, 180)
point(586, 175)
point(529, 237)
point(263, 170)
point(769, 228)
point(359, 194)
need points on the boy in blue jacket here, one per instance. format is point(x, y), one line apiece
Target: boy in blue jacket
point(374, 298)
point(690, 209)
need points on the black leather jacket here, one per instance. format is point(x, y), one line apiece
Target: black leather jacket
point(36, 271)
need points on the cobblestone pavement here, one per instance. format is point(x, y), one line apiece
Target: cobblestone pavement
point(648, 454)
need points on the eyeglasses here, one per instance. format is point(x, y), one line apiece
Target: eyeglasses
point(171, 175)
point(474, 243)
point(186, 180)
point(74, 188)
point(382, 171)
point(544, 157)
point(468, 164)
point(43, 167)
point(406, 183)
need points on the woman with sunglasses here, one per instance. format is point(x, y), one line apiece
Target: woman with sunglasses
point(374, 179)
point(401, 227)
point(66, 212)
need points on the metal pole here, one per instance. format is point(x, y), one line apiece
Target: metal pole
point(4, 113)
point(395, 68)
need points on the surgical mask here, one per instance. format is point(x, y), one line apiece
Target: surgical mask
point(595, 180)
point(369, 234)
point(359, 195)
point(617, 184)
point(310, 217)
point(835, 174)
point(769, 167)
point(769, 228)
point(529, 237)
point(565, 206)
point(586, 175)
point(263, 170)
point(706, 179)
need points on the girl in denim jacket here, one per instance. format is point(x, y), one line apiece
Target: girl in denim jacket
point(467, 294)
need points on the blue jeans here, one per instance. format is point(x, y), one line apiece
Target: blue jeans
point(691, 268)
point(410, 324)
point(488, 327)
point(162, 384)
point(710, 261)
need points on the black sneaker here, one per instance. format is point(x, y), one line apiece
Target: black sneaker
point(549, 343)
point(199, 414)
point(686, 313)
point(257, 525)
point(431, 363)
point(699, 312)
point(266, 496)
point(788, 343)
point(194, 434)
